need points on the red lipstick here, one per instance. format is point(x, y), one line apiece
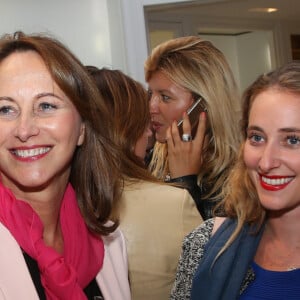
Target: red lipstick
point(274, 183)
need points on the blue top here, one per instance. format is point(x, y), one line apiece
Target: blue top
point(273, 285)
point(222, 278)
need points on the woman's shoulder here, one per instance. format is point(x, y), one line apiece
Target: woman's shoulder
point(154, 191)
point(200, 235)
point(205, 230)
point(115, 249)
point(192, 253)
point(113, 277)
point(155, 199)
point(194, 243)
point(149, 185)
point(114, 240)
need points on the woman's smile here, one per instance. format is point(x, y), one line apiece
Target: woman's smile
point(30, 153)
point(275, 183)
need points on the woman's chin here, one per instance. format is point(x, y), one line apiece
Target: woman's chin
point(159, 137)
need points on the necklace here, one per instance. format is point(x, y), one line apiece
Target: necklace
point(292, 268)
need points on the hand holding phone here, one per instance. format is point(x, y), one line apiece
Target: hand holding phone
point(193, 112)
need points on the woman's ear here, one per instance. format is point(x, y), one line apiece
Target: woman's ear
point(81, 135)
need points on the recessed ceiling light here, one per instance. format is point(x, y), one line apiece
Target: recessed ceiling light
point(263, 9)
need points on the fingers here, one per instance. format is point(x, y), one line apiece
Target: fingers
point(169, 136)
point(175, 132)
point(174, 135)
point(200, 135)
point(186, 124)
point(185, 157)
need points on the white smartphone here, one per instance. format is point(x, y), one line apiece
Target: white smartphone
point(193, 112)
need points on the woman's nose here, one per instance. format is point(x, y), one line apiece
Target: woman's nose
point(154, 104)
point(270, 158)
point(26, 127)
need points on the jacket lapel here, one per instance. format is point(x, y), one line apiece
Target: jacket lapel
point(15, 281)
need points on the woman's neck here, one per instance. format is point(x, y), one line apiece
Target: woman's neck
point(280, 244)
point(49, 215)
point(46, 204)
point(284, 226)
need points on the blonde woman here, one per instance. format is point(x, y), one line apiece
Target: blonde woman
point(180, 72)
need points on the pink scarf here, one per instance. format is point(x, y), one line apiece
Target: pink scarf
point(63, 276)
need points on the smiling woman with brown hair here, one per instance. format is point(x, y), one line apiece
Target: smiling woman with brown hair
point(254, 252)
point(59, 178)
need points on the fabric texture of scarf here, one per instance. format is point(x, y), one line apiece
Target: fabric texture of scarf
point(63, 276)
point(222, 279)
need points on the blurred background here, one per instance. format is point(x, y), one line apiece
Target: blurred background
point(255, 35)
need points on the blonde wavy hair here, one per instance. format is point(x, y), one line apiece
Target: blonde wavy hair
point(199, 67)
point(240, 197)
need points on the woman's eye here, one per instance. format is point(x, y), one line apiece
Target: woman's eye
point(255, 138)
point(149, 93)
point(7, 110)
point(45, 106)
point(293, 140)
point(4, 110)
point(165, 98)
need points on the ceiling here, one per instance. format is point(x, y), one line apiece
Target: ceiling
point(287, 9)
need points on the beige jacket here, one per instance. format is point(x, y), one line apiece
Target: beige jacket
point(154, 219)
point(16, 282)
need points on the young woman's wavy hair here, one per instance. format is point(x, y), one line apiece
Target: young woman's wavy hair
point(128, 105)
point(95, 166)
point(240, 197)
point(199, 67)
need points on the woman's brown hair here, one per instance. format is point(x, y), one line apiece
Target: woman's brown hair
point(128, 106)
point(95, 165)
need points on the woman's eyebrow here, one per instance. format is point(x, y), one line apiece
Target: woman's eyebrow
point(6, 98)
point(253, 127)
point(289, 129)
point(47, 94)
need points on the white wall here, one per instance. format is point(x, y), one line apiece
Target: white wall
point(90, 28)
point(248, 55)
point(255, 55)
point(108, 33)
point(267, 47)
point(228, 45)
